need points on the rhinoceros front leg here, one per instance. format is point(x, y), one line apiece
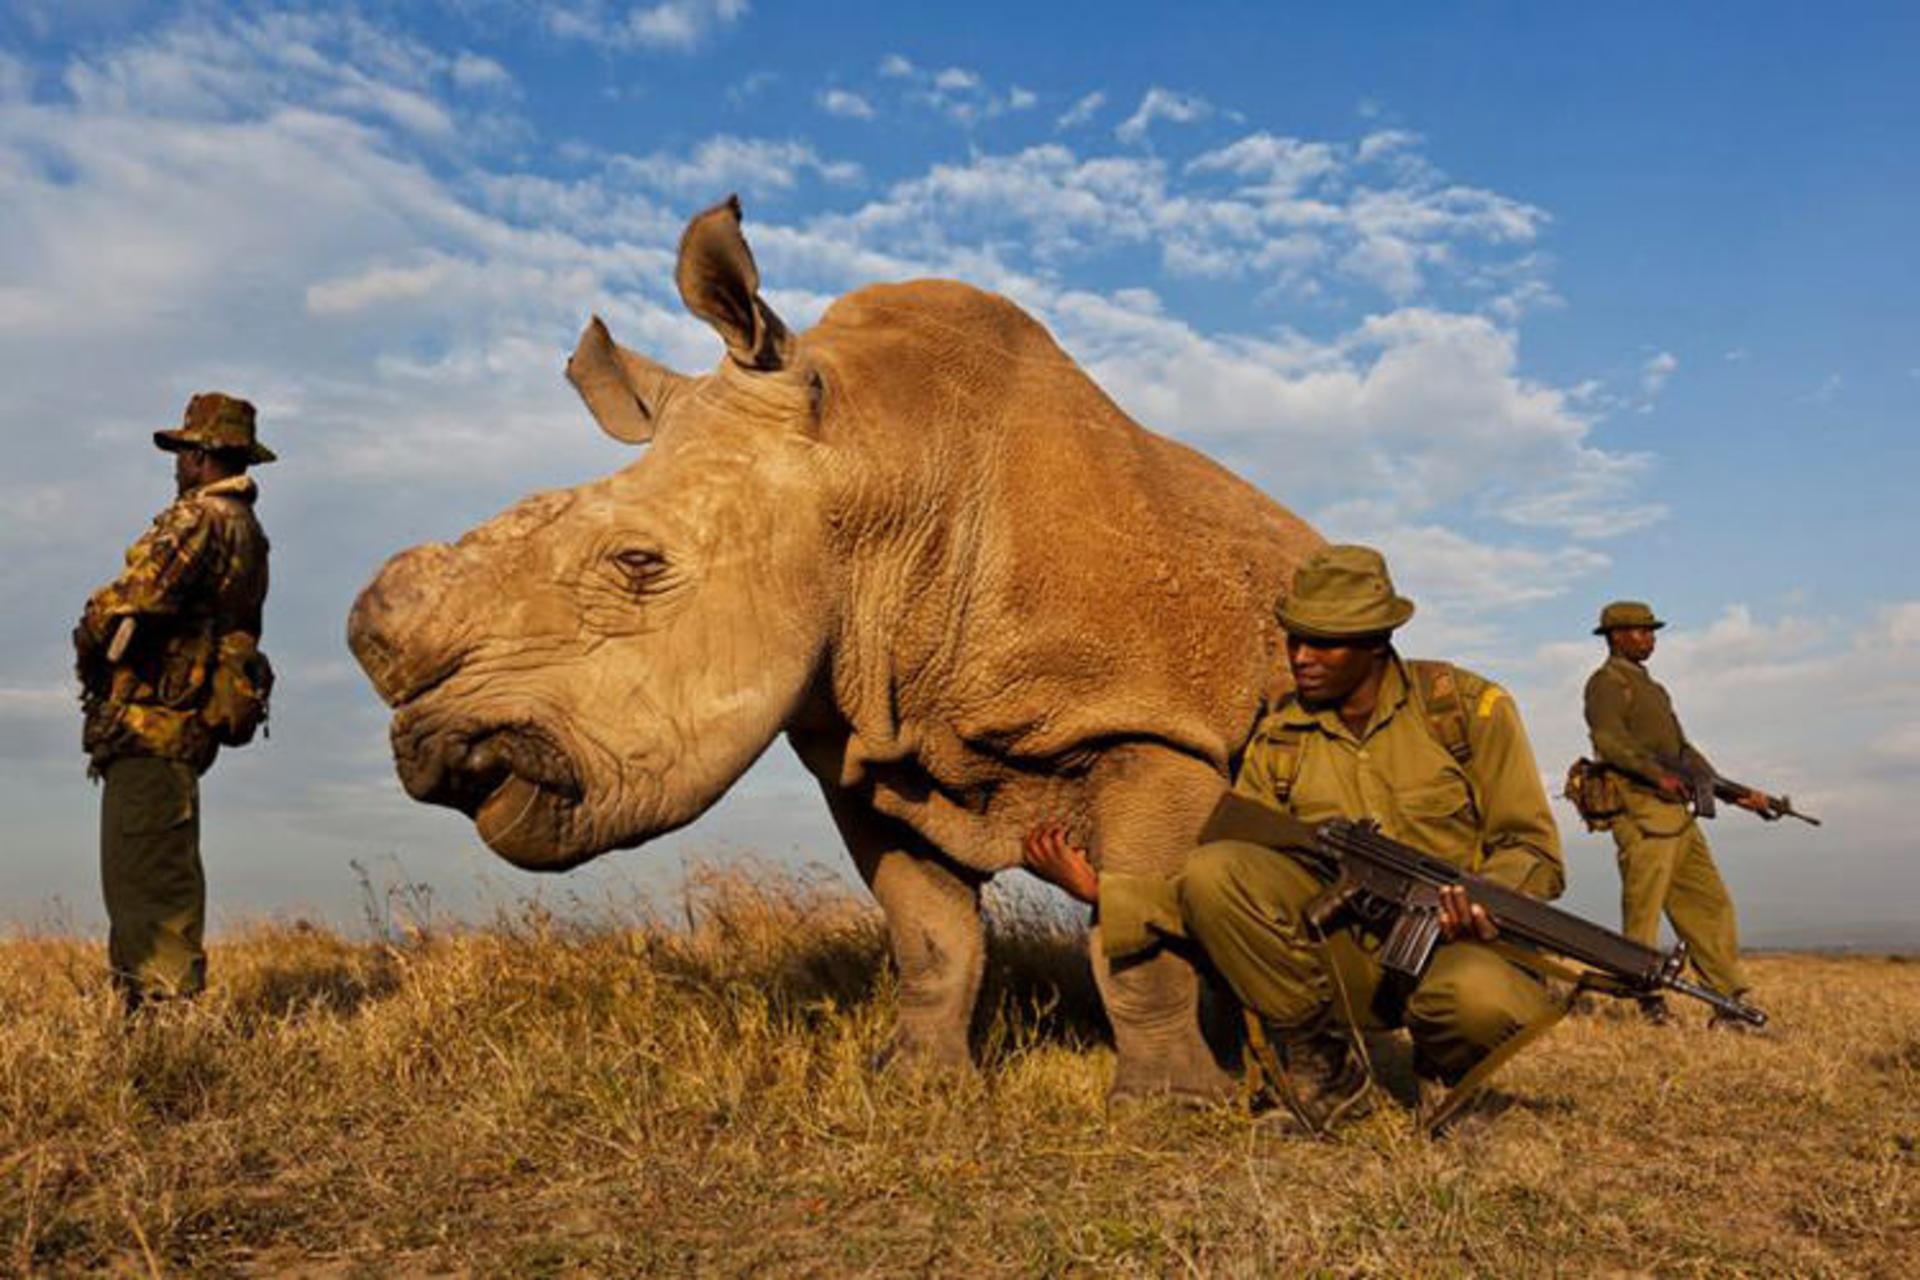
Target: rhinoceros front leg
point(1150, 804)
point(934, 926)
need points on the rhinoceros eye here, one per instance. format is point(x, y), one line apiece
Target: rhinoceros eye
point(643, 570)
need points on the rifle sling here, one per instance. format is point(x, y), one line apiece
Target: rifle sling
point(1582, 980)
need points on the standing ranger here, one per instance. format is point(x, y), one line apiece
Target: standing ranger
point(1665, 864)
point(170, 671)
point(1437, 757)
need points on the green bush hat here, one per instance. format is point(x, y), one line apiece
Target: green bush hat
point(1343, 593)
point(1627, 613)
point(217, 423)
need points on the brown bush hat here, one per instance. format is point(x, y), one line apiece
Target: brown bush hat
point(1343, 593)
point(1627, 613)
point(216, 422)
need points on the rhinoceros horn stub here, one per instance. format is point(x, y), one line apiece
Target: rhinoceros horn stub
point(623, 389)
point(720, 283)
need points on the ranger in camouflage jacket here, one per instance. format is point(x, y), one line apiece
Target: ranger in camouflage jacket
point(170, 669)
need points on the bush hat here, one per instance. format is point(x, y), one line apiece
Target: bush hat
point(1343, 593)
point(218, 423)
point(1627, 613)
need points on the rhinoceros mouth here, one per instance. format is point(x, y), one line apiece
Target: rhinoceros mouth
point(487, 772)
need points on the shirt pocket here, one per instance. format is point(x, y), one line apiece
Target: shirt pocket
point(1440, 819)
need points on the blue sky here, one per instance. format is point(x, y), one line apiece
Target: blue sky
point(1553, 304)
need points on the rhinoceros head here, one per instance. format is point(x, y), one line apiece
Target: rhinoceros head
point(594, 666)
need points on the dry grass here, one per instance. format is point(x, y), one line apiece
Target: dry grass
point(643, 1096)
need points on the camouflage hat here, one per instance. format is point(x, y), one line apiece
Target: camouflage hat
point(1627, 613)
point(1343, 593)
point(216, 422)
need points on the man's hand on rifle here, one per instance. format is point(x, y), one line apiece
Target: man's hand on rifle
point(1758, 802)
point(1674, 787)
point(1462, 917)
point(1051, 854)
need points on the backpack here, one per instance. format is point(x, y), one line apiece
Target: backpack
point(1435, 687)
point(239, 692)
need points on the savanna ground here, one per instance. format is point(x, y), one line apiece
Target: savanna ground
point(696, 1093)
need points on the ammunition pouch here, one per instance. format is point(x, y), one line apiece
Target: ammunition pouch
point(240, 689)
point(1597, 792)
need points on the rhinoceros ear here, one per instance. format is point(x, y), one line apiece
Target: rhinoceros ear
point(624, 390)
point(720, 284)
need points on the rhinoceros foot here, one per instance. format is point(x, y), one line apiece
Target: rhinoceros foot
point(1179, 1071)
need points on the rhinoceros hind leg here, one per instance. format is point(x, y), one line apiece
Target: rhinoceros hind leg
point(1150, 807)
point(1154, 1006)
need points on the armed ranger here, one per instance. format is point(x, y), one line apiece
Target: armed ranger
point(1395, 889)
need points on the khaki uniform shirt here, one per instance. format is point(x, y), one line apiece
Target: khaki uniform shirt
point(1489, 816)
point(1632, 723)
point(198, 573)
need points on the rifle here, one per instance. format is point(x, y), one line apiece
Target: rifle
point(1382, 884)
point(1705, 786)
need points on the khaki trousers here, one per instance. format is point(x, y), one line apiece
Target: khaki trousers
point(1665, 865)
point(150, 873)
point(1244, 905)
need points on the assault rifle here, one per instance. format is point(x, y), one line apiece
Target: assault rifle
point(1384, 885)
point(1704, 786)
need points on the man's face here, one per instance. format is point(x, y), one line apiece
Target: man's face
point(1326, 672)
point(187, 467)
point(1633, 642)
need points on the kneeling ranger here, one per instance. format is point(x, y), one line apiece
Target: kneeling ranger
point(1438, 758)
point(170, 671)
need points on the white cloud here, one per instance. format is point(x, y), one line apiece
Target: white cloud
point(1826, 392)
point(1898, 626)
point(843, 102)
point(472, 71)
point(960, 94)
point(1081, 111)
point(1281, 165)
point(1385, 142)
point(1162, 104)
point(679, 25)
point(725, 163)
point(750, 86)
point(1656, 372)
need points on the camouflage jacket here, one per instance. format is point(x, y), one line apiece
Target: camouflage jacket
point(198, 574)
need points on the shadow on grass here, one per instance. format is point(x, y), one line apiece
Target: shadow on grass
point(335, 987)
point(1038, 988)
point(816, 951)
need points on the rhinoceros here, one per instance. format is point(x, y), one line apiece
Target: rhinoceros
point(919, 542)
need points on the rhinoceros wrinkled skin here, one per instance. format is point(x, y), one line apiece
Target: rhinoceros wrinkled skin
point(919, 541)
